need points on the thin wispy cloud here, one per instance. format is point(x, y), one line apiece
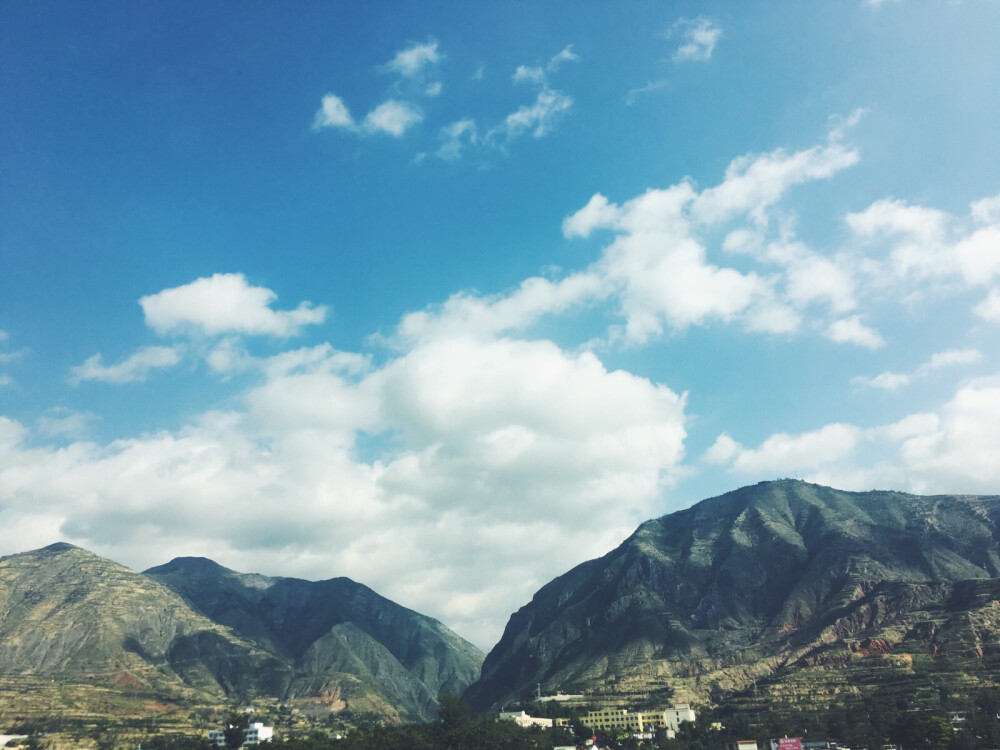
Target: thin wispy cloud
point(891, 381)
point(698, 37)
point(133, 369)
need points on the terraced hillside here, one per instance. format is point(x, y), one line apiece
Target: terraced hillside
point(784, 592)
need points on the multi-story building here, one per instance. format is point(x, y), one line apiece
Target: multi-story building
point(254, 734)
point(666, 720)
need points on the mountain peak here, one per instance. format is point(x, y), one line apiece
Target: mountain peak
point(762, 570)
point(202, 565)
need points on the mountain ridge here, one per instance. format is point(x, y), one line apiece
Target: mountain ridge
point(96, 637)
point(736, 588)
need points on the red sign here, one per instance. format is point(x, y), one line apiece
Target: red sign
point(790, 743)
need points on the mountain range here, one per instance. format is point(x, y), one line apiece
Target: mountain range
point(80, 634)
point(782, 594)
point(789, 592)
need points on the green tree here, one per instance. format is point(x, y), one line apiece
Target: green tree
point(235, 731)
point(453, 711)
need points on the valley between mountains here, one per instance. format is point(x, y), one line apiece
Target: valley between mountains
point(783, 595)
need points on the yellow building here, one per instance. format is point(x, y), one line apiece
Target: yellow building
point(614, 719)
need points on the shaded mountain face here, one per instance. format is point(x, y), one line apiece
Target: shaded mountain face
point(338, 636)
point(69, 616)
point(82, 634)
point(763, 585)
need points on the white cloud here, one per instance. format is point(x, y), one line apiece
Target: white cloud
point(788, 454)
point(950, 358)
point(538, 118)
point(886, 381)
point(486, 446)
point(989, 308)
point(986, 210)
point(225, 303)
point(922, 244)
point(64, 422)
point(660, 267)
point(539, 75)
point(333, 113)
point(565, 55)
point(648, 88)
point(753, 183)
point(457, 138)
point(978, 256)
point(135, 368)
point(5, 380)
point(891, 381)
point(414, 59)
point(392, 117)
point(698, 39)
point(722, 451)
point(950, 450)
point(852, 331)
point(811, 277)
point(485, 317)
point(527, 74)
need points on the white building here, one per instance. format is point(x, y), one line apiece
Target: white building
point(252, 735)
point(523, 720)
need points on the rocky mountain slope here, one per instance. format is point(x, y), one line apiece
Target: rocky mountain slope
point(796, 591)
point(69, 617)
point(336, 635)
point(83, 636)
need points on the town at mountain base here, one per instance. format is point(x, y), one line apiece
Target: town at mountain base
point(786, 601)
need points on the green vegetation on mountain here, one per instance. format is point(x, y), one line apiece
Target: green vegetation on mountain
point(85, 640)
point(340, 638)
point(783, 594)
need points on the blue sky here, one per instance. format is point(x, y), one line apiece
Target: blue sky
point(449, 297)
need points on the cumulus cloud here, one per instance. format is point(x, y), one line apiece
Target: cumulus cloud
point(927, 246)
point(411, 61)
point(485, 317)
point(989, 308)
point(945, 451)
point(392, 117)
point(225, 303)
point(852, 331)
point(485, 444)
point(793, 453)
point(134, 368)
point(657, 266)
point(754, 183)
point(659, 261)
point(333, 113)
point(698, 39)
